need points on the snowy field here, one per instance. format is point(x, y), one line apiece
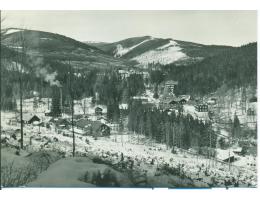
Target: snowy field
point(147, 155)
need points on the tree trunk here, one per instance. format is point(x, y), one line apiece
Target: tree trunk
point(72, 112)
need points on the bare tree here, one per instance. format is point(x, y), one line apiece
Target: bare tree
point(19, 66)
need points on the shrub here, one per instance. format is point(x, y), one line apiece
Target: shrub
point(12, 176)
point(98, 160)
point(107, 179)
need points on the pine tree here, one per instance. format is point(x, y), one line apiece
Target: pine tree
point(236, 129)
point(55, 108)
point(156, 96)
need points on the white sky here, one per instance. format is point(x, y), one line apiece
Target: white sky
point(208, 27)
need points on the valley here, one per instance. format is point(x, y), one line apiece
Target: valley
point(141, 112)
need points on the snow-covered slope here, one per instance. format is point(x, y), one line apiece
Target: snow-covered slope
point(166, 54)
point(151, 50)
point(120, 50)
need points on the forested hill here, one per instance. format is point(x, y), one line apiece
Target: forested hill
point(235, 67)
point(55, 50)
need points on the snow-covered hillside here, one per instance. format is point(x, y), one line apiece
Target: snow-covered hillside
point(166, 54)
point(120, 50)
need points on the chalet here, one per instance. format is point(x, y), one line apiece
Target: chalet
point(201, 108)
point(30, 118)
point(123, 73)
point(123, 106)
point(98, 111)
point(225, 155)
point(94, 128)
point(230, 159)
point(238, 150)
point(99, 129)
point(184, 98)
point(143, 99)
point(170, 102)
point(47, 113)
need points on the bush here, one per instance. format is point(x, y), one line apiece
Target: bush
point(107, 179)
point(12, 176)
point(98, 160)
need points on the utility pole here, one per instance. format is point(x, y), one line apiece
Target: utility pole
point(20, 70)
point(72, 109)
point(229, 141)
point(210, 149)
point(84, 106)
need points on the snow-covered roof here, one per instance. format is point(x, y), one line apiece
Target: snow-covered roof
point(224, 154)
point(29, 116)
point(237, 149)
point(76, 130)
point(185, 97)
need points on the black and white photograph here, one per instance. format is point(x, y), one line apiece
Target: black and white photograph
point(128, 99)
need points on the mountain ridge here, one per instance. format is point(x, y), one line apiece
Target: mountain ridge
point(149, 50)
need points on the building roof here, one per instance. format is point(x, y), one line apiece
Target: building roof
point(184, 97)
point(29, 116)
point(96, 125)
point(78, 131)
point(224, 154)
point(84, 123)
point(98, 108)
point(60, 121)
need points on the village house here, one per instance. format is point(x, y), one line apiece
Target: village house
point(211, 102)
point(172, 102)
point(123, 73)
point(29, 118)
point(201, 107)
point(225, 155)
point(98, 111)
point(123, 106)
point(94, 128)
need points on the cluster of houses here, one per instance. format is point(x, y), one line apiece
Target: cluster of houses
point(82, 124)
point(126, 73)
point(169, 99)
